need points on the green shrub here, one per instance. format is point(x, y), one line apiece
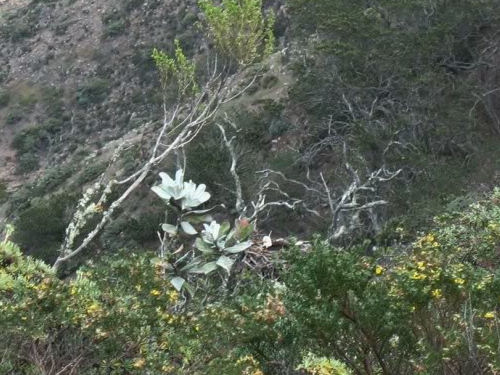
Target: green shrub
point(46, 315)
point(27, 162)
point(15, 115)
point(130, 5)
point(22, 22)
point(4, 98)
point(27, 100)
point(314, 365)
point(430, 304)
point(40, 228)
point(52, 100)
point(30, 140)
point(228, 25)
point(91, 172)
point(115, 22)
point(420, 307)
point(52, 179)
point(3, 192)
point(93, 92)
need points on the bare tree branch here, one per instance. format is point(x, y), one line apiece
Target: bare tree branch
point(234, 158)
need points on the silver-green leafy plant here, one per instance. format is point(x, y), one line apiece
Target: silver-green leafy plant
point(216, 245)
point(187, 194)
point(220, 243)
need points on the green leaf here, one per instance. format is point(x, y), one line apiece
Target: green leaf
point(239, 247)
point(193, 265)
point(225, 262)
point(199, 219)
point(206, 268)
point(188, 228)
point(189, 289)
point(203, 246)
point(178, 282)
point(224, 228)
point(169, 228)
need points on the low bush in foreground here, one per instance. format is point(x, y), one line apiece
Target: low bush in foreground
point(426, 307)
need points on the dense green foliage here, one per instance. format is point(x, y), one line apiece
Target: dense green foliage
point(239, 29)
point(397, 81)
point(178, 68)
point(429, 306)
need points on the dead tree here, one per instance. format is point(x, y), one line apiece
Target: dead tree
point(344, 202)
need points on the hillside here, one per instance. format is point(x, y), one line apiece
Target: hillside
point(78, 76)
point(224, 140)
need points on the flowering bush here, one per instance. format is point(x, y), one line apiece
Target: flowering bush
point(430, 307)
point(427, 307)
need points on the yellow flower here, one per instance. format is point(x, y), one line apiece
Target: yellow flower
point(173, 296)
point(493, 226)
point(436, 293)
point(421, 266)
point(139, 363)
point(417, 276)
point(429, 238)
point(379, 270)
point(489, 315)
point(459, 281)
point(93, 308)
point(155, 292)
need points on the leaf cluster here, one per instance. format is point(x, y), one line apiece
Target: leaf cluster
point(239, 29)
point(177, 69)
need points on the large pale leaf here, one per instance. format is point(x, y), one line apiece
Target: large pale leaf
point(225, 262)
point(169, 228)
point(163, 194)
point(194, 195)
point(203, 246)
point(267, 242)
point(211, 231)
point(177, 282)
point(188, 228)
point(206, 268)
point(239, 247)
